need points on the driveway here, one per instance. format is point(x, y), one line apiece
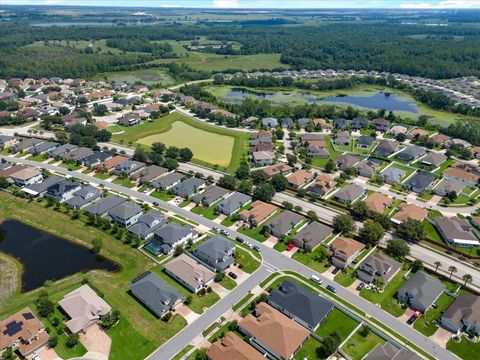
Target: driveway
point(241, 275)
point(408, 313)
point(219, 219)
point(46, 353)
point(184, 311)
point(271, 241)
point(96, 340)
point(441, 337)
point(353, 287)
point(219, 289)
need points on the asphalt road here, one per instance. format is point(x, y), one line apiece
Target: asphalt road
point(271, 258)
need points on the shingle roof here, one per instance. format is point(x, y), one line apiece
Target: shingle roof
point(284, 222)
point(104, 205)
point(233, 203)
point(232, 347)
point(350, 192)
point(423, 288)
point(126, 210)
point(464, 308)
point(188, 186)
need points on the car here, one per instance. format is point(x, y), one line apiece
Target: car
point(240, 240)
point(232, 275)
point(331, 288)
point(411, 320)
point(248, 243)
point(316, 279)
point(336, 270)
point(360, 286)
point(225, 232)
point(216, 228)
point(256, 248)
point(156, 203)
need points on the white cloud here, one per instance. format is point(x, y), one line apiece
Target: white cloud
point(226, 3)
point(445, 4)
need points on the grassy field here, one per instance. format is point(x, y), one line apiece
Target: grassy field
point(98, 46)
point(338, 322)
point(465, 349)
point(139, 332)
point(358, 345)
point(210, 145)
point(147, 76)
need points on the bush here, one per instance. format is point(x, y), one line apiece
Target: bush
point(219, 276)
point(167, 317)
point(209, 290)
point(72, 340)
point(53, 341)
point(188, 300)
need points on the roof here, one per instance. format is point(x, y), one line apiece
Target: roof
point(172, 232)
point(188, 186)
point(389, 352)
point(303, 304)
point(278, 332)
point(84, 196)
point(377, 202)
point(126, 210)
point(410, 211)
point(232, 347)
point(63, 186)
point(168, 180)
point(346, 246)
point(284, 222)
point(345, 161)
point(216, 247)
point(263, 155)
point(210, 195)
point(349, 193)
point(279, 168)
point(465, 308)
point(365, 140)
point(380, 265)
point(42, 187)
point(446, 186)
point(456, 230)
point(62, 149)
point(189, 270)
point(149, 173)
point(462, 174)
point(78, 153)
point(129, 166)
point(421, 180)
point(83, 306)
point(386, 147)
point(439, 138)
point(113, 162)
point(299, 177)
point(312, 234)
point(154, 293)
point(259, 211)
point(434, 158)
point(96, 157)
point(26, 173)
point(423, 288)
point(233, 202)
point(411, 152)
point(105, 205)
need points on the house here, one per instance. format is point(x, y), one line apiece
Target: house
point(22, 331)
point(377, 202)
point(368, 168)
point(104, 205)
point(475, 151)
point(96, 158)
point(321, 124)
point(317, 152)
point(191, 274)
point(420, 291)
point(462, 142)
point(130, 119)
point(169, 236)
point(84, 197)
point(349, 194)
point(40, 189)
point(410, 153)
point(263, 158)
point(112, 163)
point(433, 159)
point(397, 130)
point(386, 148)
point(233, 203)
point(147, 224)
point(278, 168)
point(343, 162)
point(261, 136)
point(188, 187)
point(84, 308)
point(232, 347)
point(284, 223)
point(417, 133)
point(217, 253)
point(310, 137)
point(322, 185)
point(388, 351)
point(126, 214)
point(359, 123)
point(268, 147)
point(311, 236)
point(365, 141)
point(381, 124)
point(269, 122)
point(148, 174)
point(299, 178)
point(342, 138)
point(43, 148)
point(344, 251)
point(392, 175)
point(274, 332)
point(210, 195)
point(64, 189)
point(378, 266)
point(410, 211)
point(340, 124)
point(259, 212)
point(439, 139)
point(77, 155)
point(287, 123)
point(461, 176)
point(7, 142)
point(128, 167)
point(26, 176)
point(26, 144)
point(298, 303)
point(463, 315)
point(421, 181)
point(447, 186)
point(304, 122)
point(168, 181)
point(455, 231)
point(155, 294)
point(62, 149)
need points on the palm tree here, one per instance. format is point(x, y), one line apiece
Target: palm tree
point(437, 265)
point(452, 270)
point(467, 278)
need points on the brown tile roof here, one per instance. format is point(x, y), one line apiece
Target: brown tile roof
point(189, 270)
point(111, 163)
point(278, 332)
point(462, 174)
point(259, 212)
point(410, 211)
point(439, 138)
point(318, 143)
point(10, 171)
point(232, 347)
point(419, 132)
point(322, 123)
point(377, 202)
point(346, 246)
point(299, 177)
point(279, 168)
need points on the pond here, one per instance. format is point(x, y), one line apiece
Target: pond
point(378, 100)
point(45, 256)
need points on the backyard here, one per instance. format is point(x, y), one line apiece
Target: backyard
point(361, 343)
point(339, 322)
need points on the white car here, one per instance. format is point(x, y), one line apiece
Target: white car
point(248, 243)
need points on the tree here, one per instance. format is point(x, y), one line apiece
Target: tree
point(258, 177)
point(100, 109)
point(291, 160)
point(219, 276)
point(330, 166)
point(170, 164)
point(72, 340)
point(228, 182)
point(287, 205)
point(437, 265)
point(4, 183)
point(279, 182)
point(188, 300)
point(178, 250)
point(397, 248)
point(52, 341)
point(411, 230)
point(159, 148)
point(172, 152)
point(8, 354)
point(343, 223)
point(452, 269)
point(360, 210)
point(467, 279)
point(451, 195)
point(140, 154)
point(331, 343)
point(383, 220)
point(185, 154)
point(110, 319)
point(264, 192)
point(243, 171)
point(97, 245)
point(44, 305)
point(371, 232)
point(401, 137)
point(245, 187)
point(417, 265)
point(312, 215)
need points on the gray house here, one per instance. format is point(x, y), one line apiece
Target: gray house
point(433, 159)
point(386, 148)
point(367, 168)
point(455, 231)
point(217, 253)
point(97, 158)
point(410, 153)
point(284, 223)
point(298, 303)
point(349, 194)
point(77, 155)
point(128, 167)
point(463, 315)
point(83, 197)
point(233, 203)
point(169, 236)
point(188, 187)
point(421, 181)
point(44, 148)
point(392, 175)
point(168, 181)
point(311, 235)
point(212, 194)
point(270, 122)
point(126, 214)
point(149, 174)
point(104, 205)
point(365, 141)
point(420, 291)
point(155, 294)
point(40, 189)
point(378, 266)
point(147, 224)
point(64, 189)
point(63, 149)
point(448, 186)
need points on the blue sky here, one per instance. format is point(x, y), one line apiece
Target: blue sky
point(453, 4)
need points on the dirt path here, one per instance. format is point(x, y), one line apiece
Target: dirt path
point(8, 277)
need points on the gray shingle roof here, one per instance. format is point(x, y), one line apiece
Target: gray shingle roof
point(233, 203)
point(126, 210)
point(84, 196)
point(210, 195)
point(172, 232)
point(168, 180)
point(312, 234)
point(188, 186)
point(217, 247)
point(423, 288)
point(284, 222)
point(105, 205)
point(349, 193)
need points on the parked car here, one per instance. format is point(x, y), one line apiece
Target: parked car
point(216, 228)
point(256, 248)
point(156, 203)
point(316, 279)
point(240, 240)
point(336, 270)
point(360, 286)
point(331, 288)
point(225, 232)
point(248, 243)
point(414, 317)
point(232, 275)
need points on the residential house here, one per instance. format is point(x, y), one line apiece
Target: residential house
point(148, 174)
point(312, 235)
point(7, 142)
point(97, 158)
point(461, 176)
point(40, 189)
point(300, 304)
point(321, 124)
point(340, 124)
point(462, 142)
point(26, 144)
point(377, 202)
point(455, 231)
point(190, 273)
point(386, 148)
point(303, 122)
point(62, 149)
point(84, 197)
point(217, 253)
point(421, 181)
point(440, 139)
point(299, 178)
point(210, 195)
point(269, 122)
point(233, 203)
point(126, 214)
point(263, 158)
point(397, 130)
point(463, 315)
point(261, 136)
point(342, 138)
point(232, 347)
point(420, 291)
point(349, 194)
point(129, 167)
point(388, 351)
point(365, 142)
point(314, 151)
point(188, 187)
point(64, 189)
point(343, 162)
point(274, 332)
point(392, 175)
point(259, 212)
point(322, 185)
point(155, 294)
point(278, 168)
point(103, 206)
point(381, 124)
point(168, 181)
point(130, 119)
point(84, 308)
point(433, 159)
point(359, 123)
point(417, 133)
point(378, 266)
point(344, 251)
point(43, 148)
point(306, 138)
point(368, 168)
point(112, 163)
point(26, 176)
point(77, 155)
point(23, 332)
point(284, 223)
point(147, 224)
point(169, 236)
point(410, 211)
point(410, 153)
point(287, 123)
point(447, 186)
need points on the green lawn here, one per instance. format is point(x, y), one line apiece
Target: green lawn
point(210, 213)
point(185, 350)
point(228, 283)
point(443, 166)
point(246, 261)
point(345, 277)
point(126, 182)
point(102, 176)
point(220, 333)
point(39, 158)
point(358, 346)
point(386, 299)
point(317, 259)
point(253, 233)
point(227, 222)
point(311, 349)
point(70, 167)
point(337, 321)
point(465, 349)
point(162, 195)
point(245, 299)
point(424, 323)
point(431, 232)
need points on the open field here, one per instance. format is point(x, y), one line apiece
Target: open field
point(210, 145)
point(147, 76)
point(98, 46)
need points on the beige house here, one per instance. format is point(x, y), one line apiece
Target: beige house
point(191, 274)
point(232, 347)
point(344, 251)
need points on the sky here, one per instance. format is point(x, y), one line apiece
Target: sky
point(415, 4)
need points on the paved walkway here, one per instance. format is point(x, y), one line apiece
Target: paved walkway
point(96, 341)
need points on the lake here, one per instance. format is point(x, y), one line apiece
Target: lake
point(46, 256)
point(376, 101)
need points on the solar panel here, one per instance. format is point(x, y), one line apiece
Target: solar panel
point(28, 316)
point(13, 328)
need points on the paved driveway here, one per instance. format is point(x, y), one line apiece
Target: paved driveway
point(441, 337)
point(46, 353)
point(184, 311)
point(96, 340)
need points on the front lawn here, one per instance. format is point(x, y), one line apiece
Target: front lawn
point(39, 158)
point(210, 213)
point(464, 349)
point(345, 277)
point(125, 182)
point(254, 233)
point(161, 195)
point(339, 322)
point(424, 323)
point(227, 222)
point(70, 167)
point(228, 283)
point(245, 261)
point(102, 176)
point(317, 259)
point(360, 344)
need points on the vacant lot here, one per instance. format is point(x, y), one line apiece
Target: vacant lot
point(147, 76)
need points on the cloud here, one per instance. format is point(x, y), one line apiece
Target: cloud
point(445, 4)
point(226, 3)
